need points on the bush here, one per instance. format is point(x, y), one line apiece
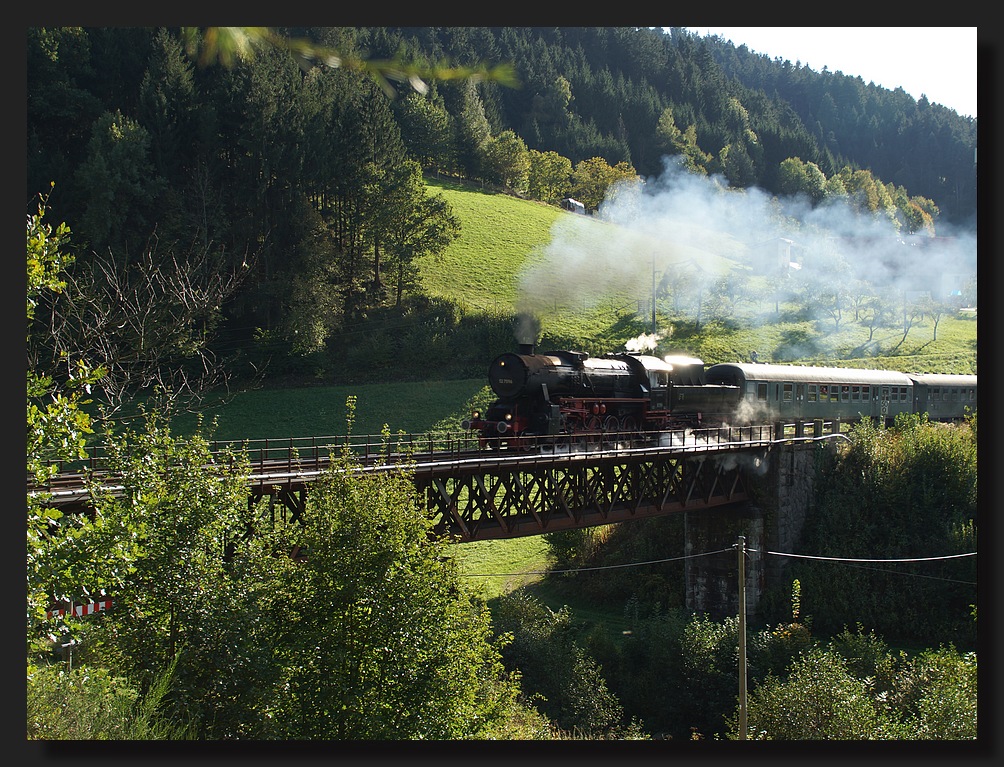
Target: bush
point(91, 704)
point(558, 675)
point(818, 700)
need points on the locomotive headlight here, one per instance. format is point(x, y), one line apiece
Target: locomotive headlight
point(476, 415)
point(508, 416)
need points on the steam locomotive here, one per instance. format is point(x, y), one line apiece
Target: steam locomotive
point(570, 394)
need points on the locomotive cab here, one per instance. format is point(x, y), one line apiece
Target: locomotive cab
point(655, 378)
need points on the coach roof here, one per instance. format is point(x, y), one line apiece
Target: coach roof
point(757, 371)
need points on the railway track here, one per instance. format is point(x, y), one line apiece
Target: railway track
point(300, 460)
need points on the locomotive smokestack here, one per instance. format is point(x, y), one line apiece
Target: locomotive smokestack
point(527, 329)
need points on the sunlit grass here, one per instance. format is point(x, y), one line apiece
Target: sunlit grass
point(496, 567)
point(413, 408)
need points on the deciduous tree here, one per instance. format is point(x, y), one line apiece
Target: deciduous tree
point(376, 636)
point(592, 178)
point(550, 176)
point(507, 162)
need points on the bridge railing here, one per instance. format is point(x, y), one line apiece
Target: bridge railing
point(297, 452)
point(314, 453)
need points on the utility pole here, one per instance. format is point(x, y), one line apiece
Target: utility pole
point(741, 546)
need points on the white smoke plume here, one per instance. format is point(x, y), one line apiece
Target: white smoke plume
point(646, 342)
point(702, 246)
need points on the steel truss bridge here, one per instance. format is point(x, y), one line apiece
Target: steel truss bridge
point(471, 493)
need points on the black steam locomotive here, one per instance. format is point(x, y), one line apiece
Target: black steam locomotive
point(568, 393)
point(571, 393)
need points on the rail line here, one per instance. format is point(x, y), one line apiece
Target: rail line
point(299, 460)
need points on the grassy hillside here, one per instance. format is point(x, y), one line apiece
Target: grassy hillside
point(571, 272)
point(499, 233)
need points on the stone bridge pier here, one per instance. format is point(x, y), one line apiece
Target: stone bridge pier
point(783, 490)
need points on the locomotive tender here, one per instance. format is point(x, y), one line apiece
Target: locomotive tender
point(570, 394)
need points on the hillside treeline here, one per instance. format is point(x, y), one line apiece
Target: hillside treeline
point(234, 198)
point(608, 92)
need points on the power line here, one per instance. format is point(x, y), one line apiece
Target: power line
point(846, 559)
point(748, 551)
point(586, 569)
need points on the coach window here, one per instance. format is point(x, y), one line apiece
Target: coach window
point(845, 393)
point(834, 393)
point(972, 395)
point(865, 395)
point(955, 395)
point(935, 393)
point(761, 392)
point(812, 392)
point(787, 392)
point(855, 393)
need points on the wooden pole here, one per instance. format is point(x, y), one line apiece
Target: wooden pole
point(742, 637)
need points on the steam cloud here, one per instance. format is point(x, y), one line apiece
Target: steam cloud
point(646, 342)
point(685, 237)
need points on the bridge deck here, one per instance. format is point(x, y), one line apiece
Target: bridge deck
point(475, 494)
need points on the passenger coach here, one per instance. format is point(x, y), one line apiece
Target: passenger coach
point(808, 392)
point(943, 397)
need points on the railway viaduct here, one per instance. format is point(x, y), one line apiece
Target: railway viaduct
point(750, 481)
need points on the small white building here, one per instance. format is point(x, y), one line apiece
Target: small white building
point(573, 205)
point(787, 254)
